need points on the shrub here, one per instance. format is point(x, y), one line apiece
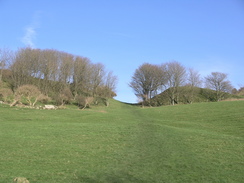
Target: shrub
point(83, 102)
point(5, 94)
point(65, 97)
point(29, 93)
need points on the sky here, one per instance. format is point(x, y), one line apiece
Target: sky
point(206, 35)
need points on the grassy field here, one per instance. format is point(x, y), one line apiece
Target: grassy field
point(123, 143)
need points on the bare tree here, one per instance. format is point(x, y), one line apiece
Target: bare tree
point(194, 78)
point(81, 75)
point(107, 90)
point(83, 101)
point(26, 67)
point(176, 77)
point(110, 84)
point(30, 92)
point(96, 78)
point(34, 65)
point(218, 81)
point(5, 57)
point(240, 91)
point(65, 67)
point(21, 67)
point(146, 81)
point(194, 81)
point(64, 97)
point(53, 71)
point(49, 70)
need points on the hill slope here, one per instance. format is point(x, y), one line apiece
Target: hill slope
point(186, 95)
point(124, 143)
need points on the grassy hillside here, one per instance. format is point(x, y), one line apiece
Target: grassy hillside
point(191, 95)
point(202, 142)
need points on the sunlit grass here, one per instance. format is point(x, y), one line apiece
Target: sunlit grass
point(123, 143)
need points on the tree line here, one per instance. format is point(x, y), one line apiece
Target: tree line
point(58, 75)
point(49, 74)
point(177, 83)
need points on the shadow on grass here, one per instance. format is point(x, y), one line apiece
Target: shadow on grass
point(132, 104)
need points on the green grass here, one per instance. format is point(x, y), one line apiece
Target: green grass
point(201, 142)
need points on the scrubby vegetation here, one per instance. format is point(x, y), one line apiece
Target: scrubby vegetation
point(188, 95)
point(171, 83)
point(28, 76)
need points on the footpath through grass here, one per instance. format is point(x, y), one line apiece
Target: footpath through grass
point(124, 143)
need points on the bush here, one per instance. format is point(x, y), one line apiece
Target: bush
point(6, 94)
point(83, 102)
point(64, 97)
point(28, 93)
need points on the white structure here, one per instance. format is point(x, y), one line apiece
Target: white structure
point(49, 107)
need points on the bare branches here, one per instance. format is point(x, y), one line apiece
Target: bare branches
point(194, 78)
point(30, 92)
point(179, 85)
point(54, 72)
point(176, 77)
point(84, 102)
point(146, 81)
point(5, 58)
point(218, 82)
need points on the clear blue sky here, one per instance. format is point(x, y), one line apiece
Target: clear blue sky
point(207, 35)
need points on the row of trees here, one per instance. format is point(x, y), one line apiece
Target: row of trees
point(57, 74)
point(239, 92)
point(149, 80)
